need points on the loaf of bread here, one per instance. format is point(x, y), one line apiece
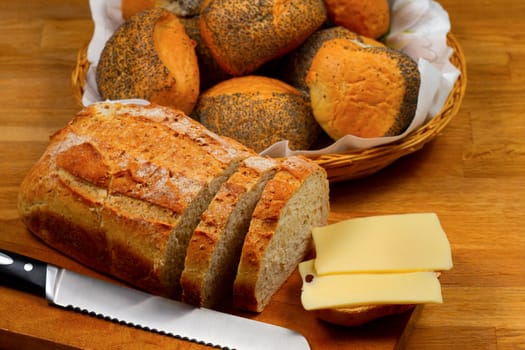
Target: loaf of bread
point(151, 57)
point(150, 196)
point(242, 35)
point(122, 187)
point(183, 8)
point(215, 246)
point(370, 18)
point(293, 202)
point(258, 112)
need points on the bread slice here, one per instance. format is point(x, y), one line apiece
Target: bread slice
point(215, 247)
point(279, 237)
point(121, 189)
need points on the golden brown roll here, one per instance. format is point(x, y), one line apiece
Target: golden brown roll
point(366, 92)
point(258, 111)
point(151, 57)
point(295, 65)
point(370, 18)
point(243, 35)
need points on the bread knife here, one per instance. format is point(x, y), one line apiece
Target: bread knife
point(68, 289)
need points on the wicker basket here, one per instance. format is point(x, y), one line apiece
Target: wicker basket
point(352, 165)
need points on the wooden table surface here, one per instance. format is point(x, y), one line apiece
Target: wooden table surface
point(472, 175)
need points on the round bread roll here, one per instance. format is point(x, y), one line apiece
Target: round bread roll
point(367, 92)
point(359, 315)
point(258, 111)
point(296, 65)
point(370, 18)
point(184, 8)
point(151, 57)
point(242, 35)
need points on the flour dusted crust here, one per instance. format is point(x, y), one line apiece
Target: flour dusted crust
point(121, 188)
point(215, 246)
point(279, 237)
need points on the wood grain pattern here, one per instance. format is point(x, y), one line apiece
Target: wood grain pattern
point(472, 176)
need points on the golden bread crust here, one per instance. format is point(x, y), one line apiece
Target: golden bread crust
point(366, 92)
point(370, 18)
point(297, 64)
point(117, 183)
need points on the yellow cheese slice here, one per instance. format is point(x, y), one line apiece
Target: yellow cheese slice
point(347, 290)
point(388, 243)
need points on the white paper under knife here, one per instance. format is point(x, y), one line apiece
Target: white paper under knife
point(135, 308)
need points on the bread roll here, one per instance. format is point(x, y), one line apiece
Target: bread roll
point(359, 315)
point(293, 202)
point(370, 18)
point(296, 65)
point(121, 189)
point(366, 92)
point(243, 35)
point(258, 111)
point(150, 57)
point(215, 246)
point(178, 7)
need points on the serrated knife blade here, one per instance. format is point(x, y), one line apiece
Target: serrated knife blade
point(83, 293)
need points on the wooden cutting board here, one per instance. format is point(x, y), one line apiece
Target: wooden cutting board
point(29, 322)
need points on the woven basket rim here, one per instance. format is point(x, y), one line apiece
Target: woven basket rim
point(361, 163)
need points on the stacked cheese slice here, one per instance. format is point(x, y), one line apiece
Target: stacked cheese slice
point(391, 259)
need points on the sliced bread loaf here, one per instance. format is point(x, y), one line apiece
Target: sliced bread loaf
point(293, 202)
point(214, 249)
point(121, 189)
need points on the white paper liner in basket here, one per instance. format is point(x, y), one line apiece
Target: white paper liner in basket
point(419, 28)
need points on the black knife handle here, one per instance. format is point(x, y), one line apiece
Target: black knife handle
point(23, 273)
